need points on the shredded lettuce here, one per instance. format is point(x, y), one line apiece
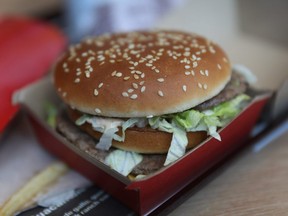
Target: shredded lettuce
point(178, 145)
point(178, 124)
point(107, 126)
point(51, 113)
point(123, 161)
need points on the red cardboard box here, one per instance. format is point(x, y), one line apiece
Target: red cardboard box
point(144, 195)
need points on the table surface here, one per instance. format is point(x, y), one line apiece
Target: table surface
point(254, 183)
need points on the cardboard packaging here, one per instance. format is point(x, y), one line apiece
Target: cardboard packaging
point(143, 195)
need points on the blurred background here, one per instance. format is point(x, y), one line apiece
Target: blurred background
point(92, 17)
point(263, 18)
point(252, 32)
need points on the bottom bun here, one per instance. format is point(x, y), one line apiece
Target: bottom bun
point(142, 140)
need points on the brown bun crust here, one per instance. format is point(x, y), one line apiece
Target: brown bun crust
point(140, 74)
point(142, 140)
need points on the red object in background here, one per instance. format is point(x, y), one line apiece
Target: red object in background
point(27, 50)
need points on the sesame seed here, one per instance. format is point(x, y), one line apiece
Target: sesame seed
point(84, 54)
point(202, 72)
point(160, 79)
point(142, 75)
point(114, 73)
point(184, 87)
point(225, 59)
point(187, 73)
point(96, 92)
point(66, 70)
point(156, 70)
point(195, 64)
point(64, 94)
point(206, 72)
point(193, 73)
point(65, 65)
point(143, 88)
point(219, 66)
point(133, 96)
point(97, 110)
point(160, 93)
point(135, 85)
point(100, 58)
point(136, 76)
point(148, 64)
point(130, 90)
point(211, 49)
point(118, 74)
point(199, 85)
point(87, 74)
point(125, 94)
point(77, 80)
point(186, 54)
point(187, 66)
point(100, 85)
point(126, 78)
point(78, 60)
point(205, 86)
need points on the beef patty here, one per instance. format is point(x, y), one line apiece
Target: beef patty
point(149, 164)
point(235, 86)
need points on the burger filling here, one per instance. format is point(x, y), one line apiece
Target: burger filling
point(209, 116)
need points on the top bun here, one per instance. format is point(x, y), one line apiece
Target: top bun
point(138, 74)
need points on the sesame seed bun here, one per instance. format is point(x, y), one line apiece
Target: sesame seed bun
point(141, 74)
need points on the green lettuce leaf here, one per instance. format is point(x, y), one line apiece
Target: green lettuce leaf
point(178, 124)
point(51, 113)
point(107, 126)
point(123, 161)
point(178, 145)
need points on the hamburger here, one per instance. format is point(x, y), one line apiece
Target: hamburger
point(138, 101)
